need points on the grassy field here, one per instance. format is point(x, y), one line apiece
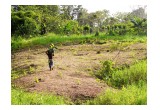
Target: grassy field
point(20, 97)
point(127, 82)
point(130, 95)
point(133, 84)
point(133, 91)
point(21, 43)
point(120, 77)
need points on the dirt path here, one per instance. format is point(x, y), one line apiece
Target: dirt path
point(73, 64)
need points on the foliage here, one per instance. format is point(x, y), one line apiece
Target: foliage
point(71, 27)
point(24, 23)
point(127, 76)
point(124, 76)
point(97, 33)
point(86, 29)
point(21, 43)
point(106, 70)
point(130, 95)
point(132, 82)
point(29, 21)
point(140, 26)
point(20, 97)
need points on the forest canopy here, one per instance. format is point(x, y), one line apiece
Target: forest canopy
point(32, 20)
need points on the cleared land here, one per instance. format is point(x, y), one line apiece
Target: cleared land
point(74, 65)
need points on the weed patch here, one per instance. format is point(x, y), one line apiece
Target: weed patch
point(20, 97)
point(130, 95)
point(120, 77)
point(22, 43)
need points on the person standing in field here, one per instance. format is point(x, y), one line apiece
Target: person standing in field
point(50, 54)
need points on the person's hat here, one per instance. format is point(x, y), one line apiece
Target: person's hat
point(51, 45)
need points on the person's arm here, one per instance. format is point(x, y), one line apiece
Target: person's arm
point(55, 47)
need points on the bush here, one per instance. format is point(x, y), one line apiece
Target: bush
point(24, 23)
point(106, 70)
point(97, 33)
point(86, 29)
point(111, 33)
point(132, 75)
point(127, 76)
point(124, 76)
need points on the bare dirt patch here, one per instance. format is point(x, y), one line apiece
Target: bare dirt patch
point(70, 76)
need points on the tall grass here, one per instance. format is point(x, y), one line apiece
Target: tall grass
point(131, 83)
point(21, 43)
point(127, 76)
point(20, 97)
point(130, 95)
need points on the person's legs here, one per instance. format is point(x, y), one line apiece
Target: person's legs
point(50, 64)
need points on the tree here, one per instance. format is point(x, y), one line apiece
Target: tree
point(86, 29)
point(76, 12)
point(71, 27)
point(66, 11)
point(139, 12)
point(82, 17)
point(24, 23)
point(140, 25)
point(63, 19)
point(121, 16)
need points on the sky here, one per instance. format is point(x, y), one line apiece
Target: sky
point(112, 9)
point(114, 5)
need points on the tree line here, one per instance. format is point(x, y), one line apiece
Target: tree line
point(33, 20)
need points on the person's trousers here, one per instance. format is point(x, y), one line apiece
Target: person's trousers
point(50, 62)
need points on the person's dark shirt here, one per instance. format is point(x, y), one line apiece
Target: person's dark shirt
point(50, 53)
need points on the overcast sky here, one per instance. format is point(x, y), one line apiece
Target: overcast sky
point(114, 5)
point(112, 9)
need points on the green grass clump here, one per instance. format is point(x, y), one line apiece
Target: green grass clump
point(119, 77)
point(21, 43)
point(106, 70)
point(131, 83)
point(20, 97)
point(18, 43)
point(130, 95)
point(127, 76)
